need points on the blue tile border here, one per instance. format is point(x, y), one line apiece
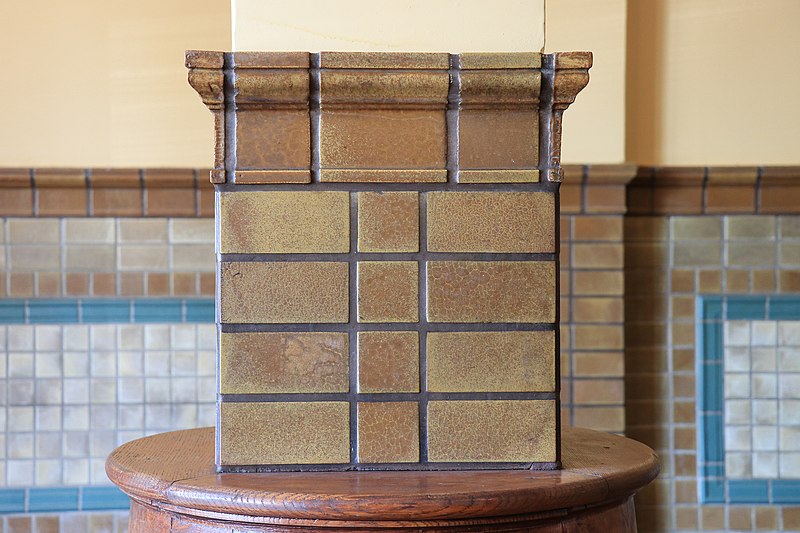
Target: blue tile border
point(61, 499)
point(712, 311)
point(106, 310)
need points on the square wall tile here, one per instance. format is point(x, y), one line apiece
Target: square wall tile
point(388, 432)
point(388, 291)
point(388, 361)
point(388, 222)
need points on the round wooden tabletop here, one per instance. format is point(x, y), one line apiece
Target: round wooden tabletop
point(175, 473)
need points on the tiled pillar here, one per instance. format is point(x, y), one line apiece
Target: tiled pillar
point(387, 257)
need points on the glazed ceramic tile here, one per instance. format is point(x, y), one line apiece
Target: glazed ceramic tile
point(388, 432)
point(388, 361)
point(388, 291)
point(388, 222)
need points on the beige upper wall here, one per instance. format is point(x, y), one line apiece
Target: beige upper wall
point(383, 25)
point(713, 82)
point(594, 126)
point(102, 83)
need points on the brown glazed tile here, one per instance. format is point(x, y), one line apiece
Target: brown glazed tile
point(502, 60)
point(284, 222)
point(737, 281)
point(779, 199)
point(271, 59)
point(388, 222)
point(388, 361)
point(77, 284)
point(791, 518)
point(270, 139)
point(48, 284)
point(766, 518)
point(104, 284)
point(683, 280)
point(605, 198)
point(61, 192)
point(709, 281)
point(498, 176)
point(598, 391)
point(570, 198)
point(382, 176)
point(384, 60)
point(170, 192)
point(491, 430)
point(260, 177)
point(280, 293)
point(184, 284)
point(19, 524)
point(131, 283)
point(281, 363)
point(600, 418)
point(730, 199)
point(599, 364)
point(598, 283)
point(498, 139)
point(48, 524)
point(388, 291)
point(388, 432)
point(16, 193)
point(360, 89)
point(20, 284)
point(597, 255)
point(284, 433)
point(205, 197)
point(491, 361)
point(676, 200)
point(207, 284)
point(763, 281)
point(598, 337)
point(789, 281)
point(157, 284)
point(522, 222)
point(598, 228)
point(382, 139)
point(116, 193)
point(496, 291)
point(598, 310)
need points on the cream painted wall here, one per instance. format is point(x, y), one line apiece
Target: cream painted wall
point(713, 82)
point(102, 83)
point(383, 25)
point(594, 126)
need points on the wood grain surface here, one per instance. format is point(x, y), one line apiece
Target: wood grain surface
point(173, 474)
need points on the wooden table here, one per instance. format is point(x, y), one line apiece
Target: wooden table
point(173, 486)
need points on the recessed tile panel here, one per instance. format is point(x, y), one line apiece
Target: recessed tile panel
point(491, 430)
point(388, 222)
point(491, 291)
point(388, 432)
point(388, 361)
point(284, 222)
point(256, 433)
point(388, 291)
point(491, 361)
point(260, 363)
point(519, 222)
point(289, 292)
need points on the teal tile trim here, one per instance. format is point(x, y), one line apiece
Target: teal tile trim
point(60, 499)
point(713, 486)
point(106, 311)
point(103, 499)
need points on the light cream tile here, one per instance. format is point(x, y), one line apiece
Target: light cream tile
point(25, 258)
point(765, 438)
point(738, 438)
point(76, 337)
point(737, 385)
point(142, 230)
point(144, 257)
point(738, 411)
point(765, 333)
point(750, 227)
point(693, 228)
point(765, 465)
point(737, 333)
point(737, 359)
point(193, 257)
point(789, 467)
point(89, 230)
point(765, 386)
point(765, 411)
point(738, 465)
point(90, 258)
point(789, 412)
point(192, 230)
point(34, 231)
point(763, 359)
point(789, 333)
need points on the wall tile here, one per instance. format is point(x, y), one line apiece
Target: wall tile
point(284, 433)
point(500, 430)
point(388, 291)
point(509, 361)
point(491, 222)
point(291, 292)
point(253, 363)
point(388, 432)
point(388, 222)
point(501, 291)
point(273, 139)
point(285, 222)
point(498, 139)
point(388, 361)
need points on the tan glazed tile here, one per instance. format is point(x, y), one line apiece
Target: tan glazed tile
point(516, 222)
point(388, 222)
point(260, 363)
point(388, 432)
point(255, 433)
point(491, 430)
point(284, 292)
point(284, 222)
point(388, 291)
point(491, 291)
point(491, 361)
point(388, 361)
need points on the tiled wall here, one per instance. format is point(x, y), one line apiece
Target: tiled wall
point(670, 262)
